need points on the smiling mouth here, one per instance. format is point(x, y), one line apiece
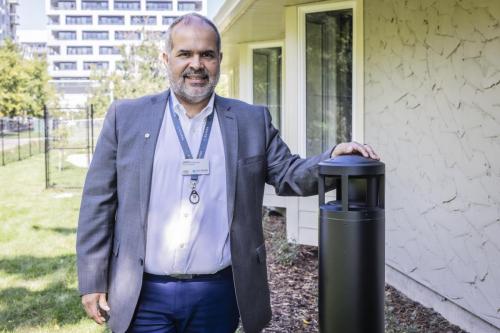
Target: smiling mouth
point(196, 78)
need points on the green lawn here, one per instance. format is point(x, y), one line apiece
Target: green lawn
point(37, 252)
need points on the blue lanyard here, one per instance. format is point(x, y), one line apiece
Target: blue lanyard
point(183, 141)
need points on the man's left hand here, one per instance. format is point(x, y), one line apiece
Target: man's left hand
point(347, 148)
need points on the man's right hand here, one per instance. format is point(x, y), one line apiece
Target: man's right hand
point(96, 307)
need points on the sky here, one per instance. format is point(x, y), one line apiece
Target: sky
point(31, 14)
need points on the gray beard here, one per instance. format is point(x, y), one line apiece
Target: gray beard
point(179, 90)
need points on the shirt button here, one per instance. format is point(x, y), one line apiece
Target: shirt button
point(181, 246)
point(141, 261)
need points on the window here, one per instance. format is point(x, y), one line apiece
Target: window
point(54, 50)
point(120, 65)
point(78, 19)
point(159, 5)
point(92, 5)
point(64, 35)
point(143, 20)
point(96, 35)
point(109, 50)
point(120, 20)
point(127, 35)
point(127, 5)
point(65, 65)
point(190, 6)
point(89, 65)
point(53, 19)
point(328, 66)
point(266, 74)
point(79, 50)
point(167, 20)
point(155, 35)
point(55, 4)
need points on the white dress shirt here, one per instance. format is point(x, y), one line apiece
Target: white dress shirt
point(186, 238)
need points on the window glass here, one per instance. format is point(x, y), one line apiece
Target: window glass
point(328, 79)
point(143, 20)
point(125, 5)
point(97, 35)
point(94, 4)
point(112, 20)
point(159, 5)
point(267, 81)
point(79, 50)
point(78, 19)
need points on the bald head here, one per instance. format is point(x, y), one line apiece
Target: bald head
point(187, 20)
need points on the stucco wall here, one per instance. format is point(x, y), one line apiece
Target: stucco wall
point(432, 110)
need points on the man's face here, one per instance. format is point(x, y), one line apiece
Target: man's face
point(193, 65)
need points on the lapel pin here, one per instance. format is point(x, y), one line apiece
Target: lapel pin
point(146, 135)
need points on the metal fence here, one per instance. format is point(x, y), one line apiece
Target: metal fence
point(20, 138)
point(70, 136)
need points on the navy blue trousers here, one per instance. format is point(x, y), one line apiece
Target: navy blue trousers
point(200, 305)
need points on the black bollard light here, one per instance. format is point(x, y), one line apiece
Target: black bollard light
point(351, 246)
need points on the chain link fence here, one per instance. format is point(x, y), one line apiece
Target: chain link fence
point(70, 136)
point(20, 138)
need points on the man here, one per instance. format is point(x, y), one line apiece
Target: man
point(169, 235)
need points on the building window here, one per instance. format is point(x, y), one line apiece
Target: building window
point(96, 35)
point(266, 74)
point(143, 20)
point(120, 65)
point(78, 19)
point(127, 35)
point(109, 50)
point(155, 35)
point(120, 20)
point(64, 35)
point(189, 6)
point(127, 5)
point(79, 50)
point(65, 66)
point(57, 4)
point(95, 5)
point(53, 19)
point(328, 65)
point(54, 50)
point(90, 65)
point(159, 5)
point(167, 20)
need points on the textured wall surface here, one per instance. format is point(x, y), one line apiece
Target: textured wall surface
point(432, 105)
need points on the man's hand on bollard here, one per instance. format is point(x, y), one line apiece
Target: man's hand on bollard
point(347, 148)
point(96, 307)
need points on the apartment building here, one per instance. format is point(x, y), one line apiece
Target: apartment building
point(33, 43)
point(87, 34)
point(8, 19)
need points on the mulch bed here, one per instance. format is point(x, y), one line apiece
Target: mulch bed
point(293, 279)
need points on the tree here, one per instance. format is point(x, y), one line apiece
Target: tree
point(24, 83)
point(141, 72)
point(39, 90)
point(13, 81)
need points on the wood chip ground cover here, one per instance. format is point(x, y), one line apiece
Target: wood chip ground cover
point(293, 279)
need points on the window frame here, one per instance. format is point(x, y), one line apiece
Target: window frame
point(357, 68)
point(249, 83)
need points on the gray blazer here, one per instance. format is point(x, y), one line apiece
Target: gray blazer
point(111, 236)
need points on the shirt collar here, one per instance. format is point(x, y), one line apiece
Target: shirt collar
point(181, 111)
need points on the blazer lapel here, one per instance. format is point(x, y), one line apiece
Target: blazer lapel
point(229, 129)
point(153, 119)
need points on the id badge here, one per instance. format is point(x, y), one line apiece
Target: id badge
point(195, 166)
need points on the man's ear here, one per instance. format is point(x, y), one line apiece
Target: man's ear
point(220, 57)
point(164, 57)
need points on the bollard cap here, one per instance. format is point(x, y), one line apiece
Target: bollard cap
point(351, 165)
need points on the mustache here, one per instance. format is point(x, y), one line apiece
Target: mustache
point(198, 72)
